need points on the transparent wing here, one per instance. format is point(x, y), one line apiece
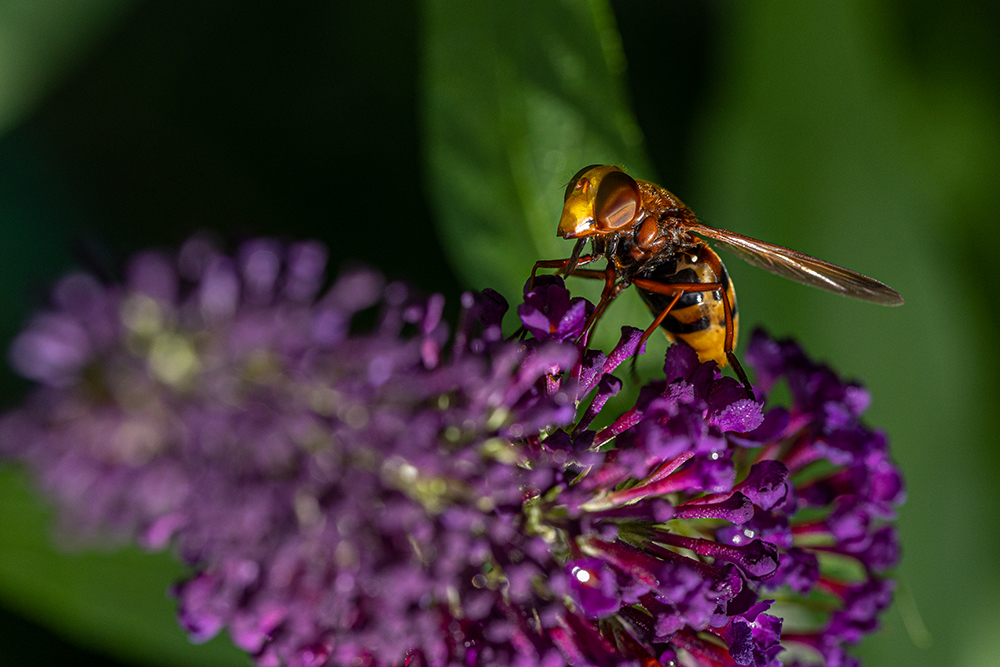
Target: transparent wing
point(800, 267)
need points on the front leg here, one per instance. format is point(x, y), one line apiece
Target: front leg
point(563, 264)
point(612, 288)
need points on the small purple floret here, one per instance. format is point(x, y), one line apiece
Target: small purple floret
point(549, 313)
point(754, 637)
point(594, 587)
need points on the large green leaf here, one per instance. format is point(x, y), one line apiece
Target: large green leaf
point(518, 96)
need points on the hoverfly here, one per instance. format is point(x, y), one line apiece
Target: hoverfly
point(650, 239)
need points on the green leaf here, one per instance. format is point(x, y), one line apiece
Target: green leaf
point(40, 40)
point(518, 96)
point(113, 602)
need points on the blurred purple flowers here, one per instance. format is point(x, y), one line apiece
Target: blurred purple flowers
point(415, 496)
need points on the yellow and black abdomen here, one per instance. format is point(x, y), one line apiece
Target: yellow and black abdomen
point(699, 317)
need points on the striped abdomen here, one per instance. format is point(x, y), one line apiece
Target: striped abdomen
point(698, 318)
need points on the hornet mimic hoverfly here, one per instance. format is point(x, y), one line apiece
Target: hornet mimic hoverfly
point(650, 239)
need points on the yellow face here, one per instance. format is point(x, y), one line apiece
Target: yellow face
point(599, 200)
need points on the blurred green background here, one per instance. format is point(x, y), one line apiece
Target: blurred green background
point(433, 140)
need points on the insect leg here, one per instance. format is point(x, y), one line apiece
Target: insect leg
point(733, 361)
point(659, 318)
point(678, 289)
point(612, 289)
point(563, 264)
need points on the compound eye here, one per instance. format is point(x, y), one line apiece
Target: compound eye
point(617, 202)
point(576, 179)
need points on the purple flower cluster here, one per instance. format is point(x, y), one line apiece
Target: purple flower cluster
point(416, 496)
